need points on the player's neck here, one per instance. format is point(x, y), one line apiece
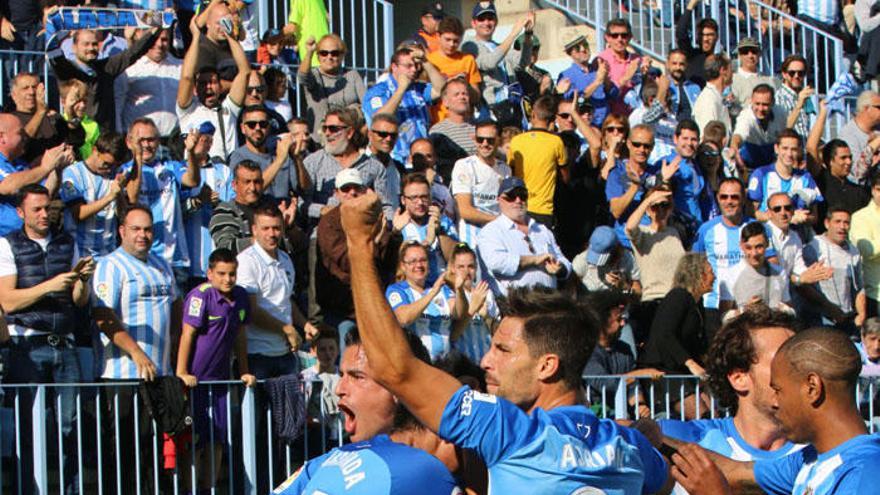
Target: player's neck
point(835, 425)
point(758, 430)
point(555, 395)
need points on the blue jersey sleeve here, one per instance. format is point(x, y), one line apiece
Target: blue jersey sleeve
point(778, 476)
point(686, 431)
point(614, 186)
point(756, 185)
point(656, 469)
point(397, 296)
point(700, 244)
point(71, 188)
point(296, 483)
point(490, 425)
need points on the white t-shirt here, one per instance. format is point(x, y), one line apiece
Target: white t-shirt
point(472, 176)
point(271, 280)
point(192, 117)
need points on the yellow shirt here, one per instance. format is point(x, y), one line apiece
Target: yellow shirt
point(865, 235)
point(534, 157)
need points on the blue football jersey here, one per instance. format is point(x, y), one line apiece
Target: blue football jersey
point(849, 468)
point(564, 450)
point(377, 466)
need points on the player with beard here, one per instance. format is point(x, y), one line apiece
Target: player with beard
point(533, 433)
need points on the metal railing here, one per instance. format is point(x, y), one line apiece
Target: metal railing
point(112, 445)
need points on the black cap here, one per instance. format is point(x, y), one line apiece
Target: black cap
point(434, 9)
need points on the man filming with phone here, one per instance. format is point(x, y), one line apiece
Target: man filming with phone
point(40, 289)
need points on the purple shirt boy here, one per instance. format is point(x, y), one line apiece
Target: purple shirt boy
point(218, 321)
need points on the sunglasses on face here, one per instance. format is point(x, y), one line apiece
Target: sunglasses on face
point(618, 35)
point(796, 73)
point(725, 197)
point(485, 139)
point(351, 187)
point(333, 129)
point(661, 206)
point(516, 194)
point(253, 124)
point(611, 129)
point(778, 208)
point(640, 145)
point(564, 115)
point(256, 89)
point(329, 53)
point(384, 134)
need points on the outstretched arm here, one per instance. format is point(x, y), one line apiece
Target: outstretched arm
point(424, 390)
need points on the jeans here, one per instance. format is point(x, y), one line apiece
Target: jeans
point(41, 363)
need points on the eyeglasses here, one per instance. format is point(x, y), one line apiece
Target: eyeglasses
point(417, 261)
point(725, 197)
point(333, 129)
point(580, 48)
point(256, 89)
point(564, 115)
point(710, 153)
point(520, 194)
point(351, 187)
point(796, 73)
point(640, 145)
point(329, 53)
point(610, 129)
point(778, 208)
point(384, 134)
point(253, 124)
point(485, 139)
point(749, 51)
point(618, 35)
point(661, 206)
point(424, 198)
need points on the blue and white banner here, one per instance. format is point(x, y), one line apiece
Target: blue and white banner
point(67, 19)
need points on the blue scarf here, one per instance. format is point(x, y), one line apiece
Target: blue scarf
point(72, 18)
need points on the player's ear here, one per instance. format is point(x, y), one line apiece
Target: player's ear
point(813, 388)
point(548, 367)
point(740, 381)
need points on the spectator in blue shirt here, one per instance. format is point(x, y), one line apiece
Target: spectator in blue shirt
point(590, 80)
point(631, 178)
point(680, 171)
point(401, 93)
point(783, 176)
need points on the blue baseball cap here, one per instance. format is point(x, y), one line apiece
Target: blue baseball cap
point(602, 243)
point(484, 7)
point(509, 184)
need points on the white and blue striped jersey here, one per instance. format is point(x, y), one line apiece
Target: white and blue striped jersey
point(475, 340)
point(434, 324)
point(472, 176)
point(563, 450)
point(801, 187)
point(141, 294)
point(720, 436)
point(436, 262)
point(849, 468)
point(218, 177)
point(96, 235)
point(720, 242)
point(821, 10)
point(160, 191)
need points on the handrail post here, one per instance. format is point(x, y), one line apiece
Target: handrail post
point(248, 440)
point(600, 26)
point(620, 400)
point(40, 447)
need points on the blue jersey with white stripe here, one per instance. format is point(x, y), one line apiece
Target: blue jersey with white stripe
point(436, 262)
point(720, 242)
point(562, 450)
point(218, 177)
point(475, 341)
point(378, 466)
point(822, 10)
point(722, 437)
point(160, 191)
point(95, 236)
point(141, 294)
point(801, 187)
point(849, 468)
point(435, 323)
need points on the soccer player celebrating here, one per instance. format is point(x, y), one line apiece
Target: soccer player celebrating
point(533, 433)
point(814, 377)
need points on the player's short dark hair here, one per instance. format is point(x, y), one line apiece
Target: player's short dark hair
point(826, 352)
point(554, 323)
point(112, 143)
point(29, 189)
point(752, 229)
point(687, 125)
point(733, 348)
point(221, 255)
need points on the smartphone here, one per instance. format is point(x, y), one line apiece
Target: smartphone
point(82, 263)
point(226, 24)
point(667, 450)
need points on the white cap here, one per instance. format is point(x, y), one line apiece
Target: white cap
point(349, 176)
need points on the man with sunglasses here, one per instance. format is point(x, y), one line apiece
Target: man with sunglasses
point(862, 134)
point(282, 175)
point(746, 77)
point(631, 178)
point(625, 69)
point(591, 81)
point(382, 138)
point(517, 250)
point(795, 96)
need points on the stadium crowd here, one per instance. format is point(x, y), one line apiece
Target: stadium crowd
point(165, 211)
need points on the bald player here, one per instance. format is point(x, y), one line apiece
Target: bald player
point(814, 377)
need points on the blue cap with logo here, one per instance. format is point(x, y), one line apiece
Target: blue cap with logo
point(484, 7)
point(602, 243)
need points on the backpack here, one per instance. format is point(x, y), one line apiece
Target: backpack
point(165, 400)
